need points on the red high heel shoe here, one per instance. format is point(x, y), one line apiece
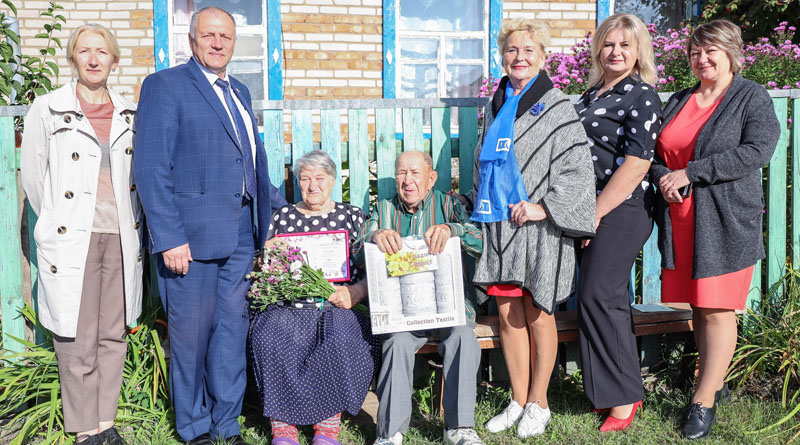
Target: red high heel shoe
point(614, 424)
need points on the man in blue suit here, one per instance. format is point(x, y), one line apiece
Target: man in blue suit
point(202, 176)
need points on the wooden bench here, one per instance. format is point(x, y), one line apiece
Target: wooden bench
point(675, 318)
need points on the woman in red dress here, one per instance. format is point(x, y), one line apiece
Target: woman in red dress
point(716, 137)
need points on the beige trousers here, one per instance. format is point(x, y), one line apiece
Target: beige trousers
point(90, 365)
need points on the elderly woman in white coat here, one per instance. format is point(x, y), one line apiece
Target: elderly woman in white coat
point(76, 173)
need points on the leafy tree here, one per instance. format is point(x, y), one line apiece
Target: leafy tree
point(28, 76)
point(756, 17)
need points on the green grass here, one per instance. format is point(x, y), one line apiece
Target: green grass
point(572, 423)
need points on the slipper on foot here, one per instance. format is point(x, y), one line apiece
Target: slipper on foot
point(321, 439)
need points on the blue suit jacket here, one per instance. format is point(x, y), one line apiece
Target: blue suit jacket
point(189, 167)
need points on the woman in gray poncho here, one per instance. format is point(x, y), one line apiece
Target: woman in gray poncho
point(534, 193)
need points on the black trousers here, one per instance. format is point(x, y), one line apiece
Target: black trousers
point(609, 357)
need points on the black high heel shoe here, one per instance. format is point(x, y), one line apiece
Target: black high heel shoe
point(699, 421)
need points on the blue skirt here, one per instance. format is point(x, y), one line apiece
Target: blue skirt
point(310, 364)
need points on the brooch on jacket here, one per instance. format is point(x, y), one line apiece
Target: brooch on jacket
point(537, 108)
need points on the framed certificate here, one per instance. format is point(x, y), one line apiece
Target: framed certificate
point(329, 251)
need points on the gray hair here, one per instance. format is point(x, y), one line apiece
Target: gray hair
point(425, 158)
point(196, 14)
point(315, 159)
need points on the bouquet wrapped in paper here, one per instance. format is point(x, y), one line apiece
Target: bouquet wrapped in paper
point(284, 275)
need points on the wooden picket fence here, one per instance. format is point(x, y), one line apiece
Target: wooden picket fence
point(425, 124)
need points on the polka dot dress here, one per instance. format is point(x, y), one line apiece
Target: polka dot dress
point(624, 120)
point(310, 364)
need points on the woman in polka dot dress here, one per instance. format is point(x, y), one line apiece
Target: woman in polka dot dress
point(622, 116)
point(310, 364)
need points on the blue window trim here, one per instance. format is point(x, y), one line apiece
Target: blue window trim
point(603, 10)
point(274, 50)
point(161, 34)
point(390, 53)
point(274, 53)
point(495, 21)
point(389, 58)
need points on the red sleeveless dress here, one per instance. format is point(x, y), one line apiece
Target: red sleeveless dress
point(676, 146)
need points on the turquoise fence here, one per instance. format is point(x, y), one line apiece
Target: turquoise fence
point(377, 131)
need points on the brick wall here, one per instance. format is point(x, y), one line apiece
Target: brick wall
point(569, 20)
point(332, 48)
point(131, 22)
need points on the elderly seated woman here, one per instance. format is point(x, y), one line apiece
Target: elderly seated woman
point(311, 364)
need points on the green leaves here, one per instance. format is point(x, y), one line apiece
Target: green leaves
point(30, 392)
point(36, 72)
point(770, 349)
point(10, 6)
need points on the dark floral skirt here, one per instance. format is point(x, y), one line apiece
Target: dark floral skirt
point(310, 364)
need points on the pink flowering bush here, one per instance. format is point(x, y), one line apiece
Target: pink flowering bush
point(774, 65)
point(771, 61)
point(570, 72)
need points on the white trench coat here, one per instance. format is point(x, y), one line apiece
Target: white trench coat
point(60, 164)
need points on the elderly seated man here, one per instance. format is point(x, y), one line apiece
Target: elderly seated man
point(419, 210)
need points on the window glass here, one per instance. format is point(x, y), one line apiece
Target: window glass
point(463, 80)
point(441, 47)
point(180, 46)
point(419, 80)
point(419, 48)
point(441, 15)
point(464, 49)
point(250, 73)
point(245, 12)
point(663, 14)
point(252, 45)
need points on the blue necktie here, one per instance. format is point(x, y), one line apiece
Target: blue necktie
point(244, 139)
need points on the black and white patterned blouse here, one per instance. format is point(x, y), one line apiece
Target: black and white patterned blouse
point(288, 219)
point(624, 120)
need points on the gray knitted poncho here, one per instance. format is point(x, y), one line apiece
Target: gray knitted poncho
point(556, 167)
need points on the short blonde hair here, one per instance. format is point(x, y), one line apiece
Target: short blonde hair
point(645, 67)
point(724, 35)
point(538, 31)
point(111, 41)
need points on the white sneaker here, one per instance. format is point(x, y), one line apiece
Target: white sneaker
point(505, 419)
point(462, 436)
point(397, 439)
point(534, 420)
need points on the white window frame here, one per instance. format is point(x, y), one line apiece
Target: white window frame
point(442, 61)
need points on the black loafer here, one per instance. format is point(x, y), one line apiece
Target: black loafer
point(111, 437)
point(722, 396)
point(203, 439)
point(699, 421)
